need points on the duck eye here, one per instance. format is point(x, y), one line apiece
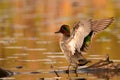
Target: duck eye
point(64, 28)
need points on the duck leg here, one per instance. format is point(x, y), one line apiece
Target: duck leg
point(76, 70)
point(68, 70)
point(52, 66)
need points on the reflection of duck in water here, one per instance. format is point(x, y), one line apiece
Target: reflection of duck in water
point(73, 44)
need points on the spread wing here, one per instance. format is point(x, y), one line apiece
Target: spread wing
point(86, 42)
point(97, 26)
point(80, 31)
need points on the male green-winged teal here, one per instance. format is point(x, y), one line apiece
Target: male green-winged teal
point(74, 43)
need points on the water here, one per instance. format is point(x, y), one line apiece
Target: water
point(28, 43)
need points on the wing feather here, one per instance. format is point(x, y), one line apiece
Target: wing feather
point(86, 42)
point(97, 26)
point(80, 31)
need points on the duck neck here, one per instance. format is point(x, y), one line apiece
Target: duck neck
point(65, 37)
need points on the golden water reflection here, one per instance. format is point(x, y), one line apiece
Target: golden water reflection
point(27, 36)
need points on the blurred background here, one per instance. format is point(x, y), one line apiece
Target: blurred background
point(27, 36)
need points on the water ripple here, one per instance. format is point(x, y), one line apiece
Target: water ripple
point(36, 60)
point(52, 53)
point(103, 39)
point(36, 49)
point(21, 54)
point(56, 56)
point(43, 42)
point(2, 59)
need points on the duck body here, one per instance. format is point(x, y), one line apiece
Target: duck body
point(74, 43)
point(66, 49)
point(74, 57)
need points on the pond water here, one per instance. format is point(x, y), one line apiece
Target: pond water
point(28, 43)
point(42, 52)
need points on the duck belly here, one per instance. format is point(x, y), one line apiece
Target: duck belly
point(67, 53)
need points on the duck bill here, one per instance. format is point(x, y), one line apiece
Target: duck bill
point(57, 32)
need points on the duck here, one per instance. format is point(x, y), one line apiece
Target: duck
point(74, 43)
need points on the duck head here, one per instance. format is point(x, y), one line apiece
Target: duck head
point(65, 30)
